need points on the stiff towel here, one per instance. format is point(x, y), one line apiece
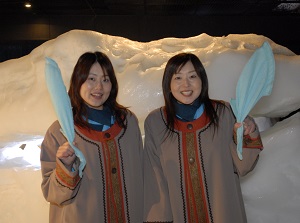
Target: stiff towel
point(62, 106)
point(255, 81)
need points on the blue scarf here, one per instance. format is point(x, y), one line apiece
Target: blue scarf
point(188, 113)
point(100, 120)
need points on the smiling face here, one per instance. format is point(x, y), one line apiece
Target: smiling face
point(185, 84)
point(96, 89)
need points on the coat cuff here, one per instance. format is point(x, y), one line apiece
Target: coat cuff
point(66, 177)
point(253, 140)
point(249, 142)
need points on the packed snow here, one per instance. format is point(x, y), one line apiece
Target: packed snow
point(271, 192)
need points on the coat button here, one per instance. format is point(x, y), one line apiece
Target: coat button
point(191, 160)
point(190, 126)
point(114, 170)
point(107, 135)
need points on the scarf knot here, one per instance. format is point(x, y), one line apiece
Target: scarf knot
point(100, 120)
point(190, 112)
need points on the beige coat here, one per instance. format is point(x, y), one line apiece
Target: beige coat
point(111, 189)
point(193, 176)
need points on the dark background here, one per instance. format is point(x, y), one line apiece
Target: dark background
point(24, 29)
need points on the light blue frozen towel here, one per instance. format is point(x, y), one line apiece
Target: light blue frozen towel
point(255, 81)
point(62, 106)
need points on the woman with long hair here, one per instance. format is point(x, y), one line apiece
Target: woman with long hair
point(108, 135)
point(191, 168)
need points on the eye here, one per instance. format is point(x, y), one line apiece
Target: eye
point(176, 77)
point(106, 79)
point(91, 78)
point(193, 75)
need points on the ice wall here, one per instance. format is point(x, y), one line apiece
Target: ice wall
point(271, 192)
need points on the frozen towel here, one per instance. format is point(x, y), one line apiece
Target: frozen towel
point(62, 106)
point(255, 81)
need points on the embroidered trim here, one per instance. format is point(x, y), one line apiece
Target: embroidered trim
point(180, 167)
point(102, 172)
point(64, 178)
point(114, 160)
point(197, 203)
point(122, 168)
point(249, 142)
point(158, 222)
point(114, 186)
point(204, 172)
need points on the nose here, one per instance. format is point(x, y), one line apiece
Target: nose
point(98, 85)
point(186, 82)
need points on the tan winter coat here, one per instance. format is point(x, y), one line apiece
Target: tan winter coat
point(111, 189)
point(193, 176)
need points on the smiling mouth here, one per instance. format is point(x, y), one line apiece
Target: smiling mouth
point(186, 93)
point(97, 94)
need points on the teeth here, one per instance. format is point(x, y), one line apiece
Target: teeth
point(97, 95)
point(186, 93)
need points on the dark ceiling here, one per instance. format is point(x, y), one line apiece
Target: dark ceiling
point(150, 7)
point(25, 28)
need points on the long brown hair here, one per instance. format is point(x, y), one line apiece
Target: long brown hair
point(173, 66)
point(79, 76)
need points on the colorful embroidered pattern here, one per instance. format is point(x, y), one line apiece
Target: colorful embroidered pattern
point(114, 192)
point(249, 142)
point(196, 201)
point(66, 179)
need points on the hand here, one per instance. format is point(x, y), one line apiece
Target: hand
point(66, 154)
point(249, 125)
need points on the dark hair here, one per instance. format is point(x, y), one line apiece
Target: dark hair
point(173, 66)
point(79, 76)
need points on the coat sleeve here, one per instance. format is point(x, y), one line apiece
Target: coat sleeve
point(59, 185)
point(252, 146)
point(156, 195)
